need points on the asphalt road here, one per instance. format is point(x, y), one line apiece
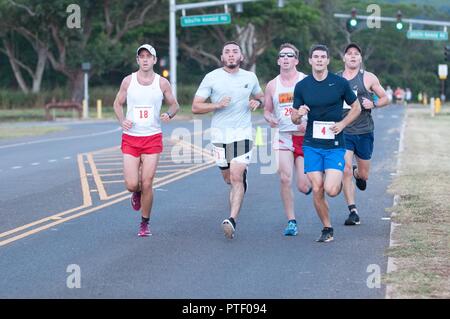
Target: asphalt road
point(92, 225)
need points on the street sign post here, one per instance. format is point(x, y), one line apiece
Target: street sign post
point(206, 19)
point(427, 35)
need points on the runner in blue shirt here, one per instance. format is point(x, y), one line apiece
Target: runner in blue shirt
point(321, 96)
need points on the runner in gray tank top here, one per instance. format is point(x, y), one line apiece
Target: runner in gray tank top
point(359, 135)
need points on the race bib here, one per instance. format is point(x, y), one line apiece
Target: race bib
point(287, 111)
point(346, 106)
point(322, 130)
point(219, 155)
point(142, 114)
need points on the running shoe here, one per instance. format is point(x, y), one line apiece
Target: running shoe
point(327, 235)
point(291, 229)
point(353, 219)
point(309, 191)
point(360, 183)
point(136, 200)
point(144, 230)
point(245, 181)
point(228, 228)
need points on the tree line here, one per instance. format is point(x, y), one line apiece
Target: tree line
point(42, 47)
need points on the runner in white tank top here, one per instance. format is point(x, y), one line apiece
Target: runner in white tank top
point(143, 91)
point(144, 106)
point(288, 137)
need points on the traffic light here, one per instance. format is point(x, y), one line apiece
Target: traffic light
point(352, 23)
point(165, 73)
point(399, 24)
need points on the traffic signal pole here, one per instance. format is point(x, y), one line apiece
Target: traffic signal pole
point(173, 50)
point(390, 19)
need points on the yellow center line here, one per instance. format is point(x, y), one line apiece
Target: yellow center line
point(93, 209)
point(87, 199)
point(97, 179)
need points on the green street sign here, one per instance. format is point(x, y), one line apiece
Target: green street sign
point(427, 35)
point(206, 19)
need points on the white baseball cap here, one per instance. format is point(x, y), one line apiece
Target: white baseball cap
point(148, 47)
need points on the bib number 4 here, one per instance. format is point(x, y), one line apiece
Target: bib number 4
point(321, 130)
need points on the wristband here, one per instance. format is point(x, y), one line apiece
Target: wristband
point(170, 115)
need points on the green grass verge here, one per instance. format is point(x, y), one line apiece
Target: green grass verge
point(422, 239)
point(15, 131)
point(37, 114)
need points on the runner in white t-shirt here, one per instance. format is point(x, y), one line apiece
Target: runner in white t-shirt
point(279, 97)
point(233, 93)
point(144, 92)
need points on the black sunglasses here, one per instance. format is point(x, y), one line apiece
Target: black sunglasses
point(289, 55)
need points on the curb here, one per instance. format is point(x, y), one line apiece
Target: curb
point(391, 264)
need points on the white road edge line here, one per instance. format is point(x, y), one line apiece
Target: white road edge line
point(61, 138)
point(391, 265)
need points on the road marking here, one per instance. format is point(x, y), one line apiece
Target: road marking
point(87, 199)
point(112, 159)
point(87, 208)
point(109, 169)
point(16, 167)
point(40, 221)
point(52, 161)
point(97, 178)
point(67, 157)
point(85, 212)
point(113, 182)
point(112, 174)
point(35, 163)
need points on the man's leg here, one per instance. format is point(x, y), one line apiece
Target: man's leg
point(285, 168)
point(333, 182)
point(226, 175)
point(303, 182)
point(149, 164)
point(320, 202)
point(237, 187)
point(236, 196)
point(363, 154)
point(349, 190)
point(362, 171)
point(349, 187)
point(131, 172)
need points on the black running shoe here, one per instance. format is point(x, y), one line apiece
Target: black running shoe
point(245, 181)
point(360, 183)
point(353, 219)
point(229, 227)
point(327, 235)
